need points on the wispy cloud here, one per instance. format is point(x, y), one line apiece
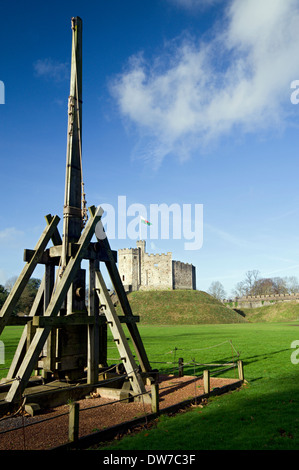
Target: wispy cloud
point(51, 69)
point(227, 237)
point(9, 234)
point(198, 91)
point(279, 271)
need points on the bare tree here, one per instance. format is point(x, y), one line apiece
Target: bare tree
point(216, 289)
point(250, 282)
point(264, 286)
point(255, 285)
point(292, 284)
point(10, 283)
point(239, 290)
point(279, 285)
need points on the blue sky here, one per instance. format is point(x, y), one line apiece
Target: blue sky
point(185, 102)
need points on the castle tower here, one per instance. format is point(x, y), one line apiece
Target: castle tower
point(142, 271)
point(141, 244)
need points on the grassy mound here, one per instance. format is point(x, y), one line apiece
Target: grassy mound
point(180, 307)
point(277, 312)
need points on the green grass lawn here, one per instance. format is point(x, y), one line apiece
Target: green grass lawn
point(277, 312)
point(10, 339)
point(263, 415)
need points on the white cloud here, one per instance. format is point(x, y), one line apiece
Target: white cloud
point(198, 91)
point(10, 234)
point(229, 238)
point(51, 69)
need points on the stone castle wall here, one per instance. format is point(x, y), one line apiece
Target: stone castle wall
point(128, 261)
point(183, 275)
point(156, 271)
point(142, 271)
point(252, 301)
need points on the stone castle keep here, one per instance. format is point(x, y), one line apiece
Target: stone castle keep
point(142, 271)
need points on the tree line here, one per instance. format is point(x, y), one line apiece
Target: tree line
point(254, 284)
point(27, 297)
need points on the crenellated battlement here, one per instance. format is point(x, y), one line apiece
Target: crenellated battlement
point(124, 251)
point(262, 300)
point(159, 256)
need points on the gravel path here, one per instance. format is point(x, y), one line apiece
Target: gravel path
point(50, 429)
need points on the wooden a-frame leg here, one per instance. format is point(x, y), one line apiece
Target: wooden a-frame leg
point(21, 348)
point(125, 305)
point(119, 337)
point(93, 329)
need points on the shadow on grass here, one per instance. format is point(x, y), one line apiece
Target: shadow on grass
point(252, 418)
point(247, 361)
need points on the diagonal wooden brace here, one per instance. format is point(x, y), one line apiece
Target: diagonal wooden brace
point(123, 300)
point(119, 337)
point(41, 335)
point(21, 349)
point(26, 273)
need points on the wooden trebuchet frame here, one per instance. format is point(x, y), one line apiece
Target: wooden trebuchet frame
point(22, 367)
point(63, 338)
